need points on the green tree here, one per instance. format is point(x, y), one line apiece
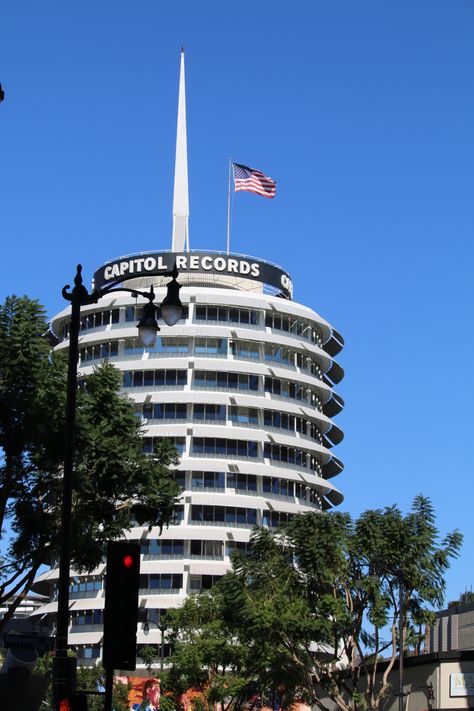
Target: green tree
point(150, 656)
point(88, 679)
point(465, 598)
point(32, 389)
point(315, 604)
point(205, 654)
point(115, 483)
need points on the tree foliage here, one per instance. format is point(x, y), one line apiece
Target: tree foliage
point(465, 598)
point(314, 606)
point(206, 655)
point(88, 679)
point(114, 482)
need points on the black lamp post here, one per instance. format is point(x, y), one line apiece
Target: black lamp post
point(401, 628)
point(63, 669)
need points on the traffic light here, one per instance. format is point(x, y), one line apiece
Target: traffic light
point(75, 702)
point(121, 605)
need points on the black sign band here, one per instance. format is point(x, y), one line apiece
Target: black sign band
point(158, 263)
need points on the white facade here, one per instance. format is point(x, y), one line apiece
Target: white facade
point(243, 385)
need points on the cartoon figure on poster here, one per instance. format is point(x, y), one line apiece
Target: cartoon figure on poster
point(151, 696)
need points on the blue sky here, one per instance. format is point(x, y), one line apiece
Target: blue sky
point(362, 111)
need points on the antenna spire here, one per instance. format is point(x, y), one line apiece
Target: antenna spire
point(180, 241)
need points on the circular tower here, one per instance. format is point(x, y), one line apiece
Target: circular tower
point(243, 387)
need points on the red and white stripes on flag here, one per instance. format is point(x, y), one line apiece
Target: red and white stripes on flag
point(253, 181)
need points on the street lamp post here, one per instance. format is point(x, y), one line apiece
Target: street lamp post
point(63, 672)
point(401, 625)
point(162, 629)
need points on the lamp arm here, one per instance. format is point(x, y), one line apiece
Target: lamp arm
point(416, 688)
point(146, 294)
point(79, 293)
point(150, 295)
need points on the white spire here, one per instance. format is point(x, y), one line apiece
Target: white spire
point(180, 241)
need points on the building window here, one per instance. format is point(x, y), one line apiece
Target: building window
point(278, 419)
point(87, 617)
point(132, 346)
point(150, 444)
point(207, 549)
point(164, 346)
point(79, 585)
point(242, 482)
point(231, 515)
point(203, 582)
point(315, 498)
point(229, 381)
point(98, 351)
point(289, 455)
point(290, 324)
point(279, 354)
point(235, 515)
point(210, 481)
point(286, 388)
point(99, 319)
point(309, 365)
point(219, 447)
point(210, 346)
point(207, 514)
point(171, 345)
point(283, 421)
point(89, 652)
point(165, 582)
point(315, 433)
point(163, 548)
point(284, 487)
point(94, 320)
point(178, 514)
point(164, 411)
point(154, 378)
point(273, 519)
point(315, 465)
point(229, 314)
point(209, 412)
point(155, 615)
point(180, 478)
point(134, 313)
point(245, 349)
point(243, 415)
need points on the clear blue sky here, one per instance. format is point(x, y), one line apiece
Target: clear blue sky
point(362, 111)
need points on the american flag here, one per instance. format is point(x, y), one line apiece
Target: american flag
point(253, 181)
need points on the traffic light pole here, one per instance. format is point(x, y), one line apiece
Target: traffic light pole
point(109, 687)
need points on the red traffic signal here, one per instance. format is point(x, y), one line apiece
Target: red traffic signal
point(128, 561)
point(75, 702)
point(121, 605)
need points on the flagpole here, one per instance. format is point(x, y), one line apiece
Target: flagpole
point(228, 210)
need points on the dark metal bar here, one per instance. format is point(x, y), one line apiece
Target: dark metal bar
point(400, 642)
point(109, 687)
point(62, 685)
point(162, 646)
